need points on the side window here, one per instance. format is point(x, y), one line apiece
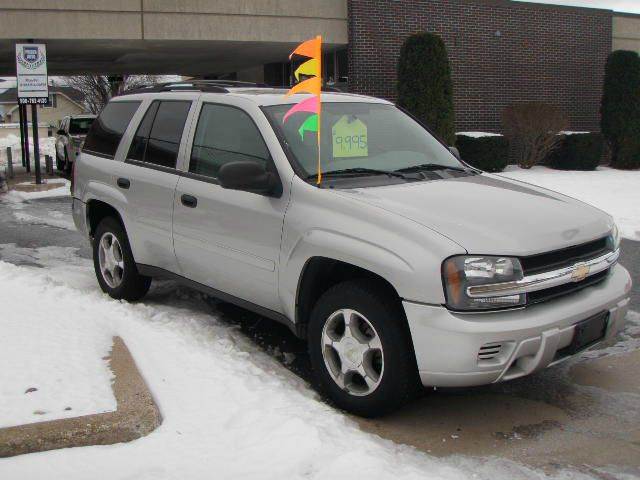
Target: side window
point(107, 130)
point(225, 134)
point(158, 137)
point(139, 144)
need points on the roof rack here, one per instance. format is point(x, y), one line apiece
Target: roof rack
point(214, 86)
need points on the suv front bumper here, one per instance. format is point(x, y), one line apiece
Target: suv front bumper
point(448, 344)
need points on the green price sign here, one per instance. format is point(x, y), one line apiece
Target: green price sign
point(349, 138)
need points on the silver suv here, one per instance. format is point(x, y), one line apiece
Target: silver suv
point(404, 266)
point(69, 137)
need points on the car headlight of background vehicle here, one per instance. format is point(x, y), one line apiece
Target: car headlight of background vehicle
point(463, 271)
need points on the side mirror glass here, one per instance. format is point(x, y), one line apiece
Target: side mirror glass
point(455, 152)
point(249, 177)
point(61, 132)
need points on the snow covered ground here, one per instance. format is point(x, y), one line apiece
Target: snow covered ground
point(614, 191)
point(230, 410)
point(62, 189)
point(49, 351)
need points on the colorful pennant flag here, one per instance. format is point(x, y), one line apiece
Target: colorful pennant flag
point(313, 85)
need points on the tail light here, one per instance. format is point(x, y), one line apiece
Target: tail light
point(73, 176)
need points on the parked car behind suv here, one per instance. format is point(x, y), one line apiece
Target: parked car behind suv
point(69, 139)
point(403, 266)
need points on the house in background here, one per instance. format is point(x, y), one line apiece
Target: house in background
point(63, 101)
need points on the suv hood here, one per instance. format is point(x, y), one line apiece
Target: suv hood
point(489, 214)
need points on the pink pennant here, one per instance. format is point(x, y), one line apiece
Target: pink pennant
point(309, 105)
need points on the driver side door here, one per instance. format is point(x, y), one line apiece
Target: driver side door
point(228, 240)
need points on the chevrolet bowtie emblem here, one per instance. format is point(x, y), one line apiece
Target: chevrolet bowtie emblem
point(580, 272)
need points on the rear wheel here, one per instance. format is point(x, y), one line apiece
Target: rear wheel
point(59, 163)
point(114, 265)
point(360, 349)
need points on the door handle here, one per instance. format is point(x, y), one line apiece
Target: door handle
point(124, 183)
point(189, 201)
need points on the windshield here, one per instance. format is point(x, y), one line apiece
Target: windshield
point(80, 126)
point(361, 136)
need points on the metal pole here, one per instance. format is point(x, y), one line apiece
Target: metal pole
point(21, 116)
point(26, 139)
point(9, 163)
point(36, 143)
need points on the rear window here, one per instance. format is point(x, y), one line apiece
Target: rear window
point(158, 137)
point(106, 131)
point(80, 126)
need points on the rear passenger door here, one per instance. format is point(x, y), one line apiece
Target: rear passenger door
point(228, 239)
point(148, 180)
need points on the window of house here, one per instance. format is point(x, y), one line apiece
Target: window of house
point(158, 137)
point(225, 134)
point(107, 130)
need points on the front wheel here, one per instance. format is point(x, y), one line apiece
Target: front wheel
point(360, 349)
point(114, 265)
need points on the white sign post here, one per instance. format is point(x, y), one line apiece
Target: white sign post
point(31, 71)
point(33, 88)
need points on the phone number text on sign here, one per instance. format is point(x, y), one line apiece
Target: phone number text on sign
point(33, 101)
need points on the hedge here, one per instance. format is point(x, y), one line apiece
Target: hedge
point(490, 153)
point(620, 122)
point(425, 87)
point(579, 151)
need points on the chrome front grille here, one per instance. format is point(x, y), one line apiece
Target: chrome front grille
point(545, 262)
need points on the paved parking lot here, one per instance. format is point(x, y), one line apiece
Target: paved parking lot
point(586, 411)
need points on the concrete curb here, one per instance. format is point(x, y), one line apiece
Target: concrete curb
point(137, 415)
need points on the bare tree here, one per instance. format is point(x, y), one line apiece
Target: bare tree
point(532, 129)
point(98, 89)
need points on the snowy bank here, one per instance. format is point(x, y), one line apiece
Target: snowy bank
point(614, 191)
point(51, 356)
point(47, 147)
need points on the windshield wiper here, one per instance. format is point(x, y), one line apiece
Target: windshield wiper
point(430, 167)
point(359, 171)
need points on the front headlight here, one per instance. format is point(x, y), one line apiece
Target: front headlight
point(614, 238)
point(461, 272)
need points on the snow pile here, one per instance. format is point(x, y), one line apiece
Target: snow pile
point(51, 357)
point(230, 410)
point(478, 134)
point(47, 147)
point(614, 191)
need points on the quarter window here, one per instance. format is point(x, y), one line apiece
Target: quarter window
point(158, 137)
point(225, 134)
point(107, 130)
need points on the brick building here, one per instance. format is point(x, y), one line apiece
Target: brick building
point(501, 52)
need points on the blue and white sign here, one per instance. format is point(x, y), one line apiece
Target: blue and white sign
point(31, 72)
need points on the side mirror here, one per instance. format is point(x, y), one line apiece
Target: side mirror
point(249, 177)
point(455, 152)
point(61, 132)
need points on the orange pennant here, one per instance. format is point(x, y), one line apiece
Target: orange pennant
point(311, 48)
point(312, 85)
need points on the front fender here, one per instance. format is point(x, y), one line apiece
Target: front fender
point(320, 223)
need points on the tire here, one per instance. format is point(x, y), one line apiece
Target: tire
point(124, 283)
point(393, 369)
point(67, 163)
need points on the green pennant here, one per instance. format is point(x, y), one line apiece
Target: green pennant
point(309, 125)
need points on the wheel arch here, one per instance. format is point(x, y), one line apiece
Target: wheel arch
point(98, 210)
point(320, 273)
